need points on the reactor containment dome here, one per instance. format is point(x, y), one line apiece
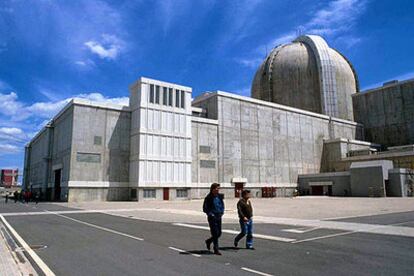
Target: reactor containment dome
point(309, 75)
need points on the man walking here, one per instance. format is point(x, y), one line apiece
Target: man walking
point(245, 211)
point(213, 206)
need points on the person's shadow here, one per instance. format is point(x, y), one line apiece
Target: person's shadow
point(206, 252)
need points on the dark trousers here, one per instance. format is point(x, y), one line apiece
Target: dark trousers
point(246, 228)
point(215, 229)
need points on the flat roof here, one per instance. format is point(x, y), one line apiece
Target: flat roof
point(161, 83)
point(210, 94)
point(384, 86)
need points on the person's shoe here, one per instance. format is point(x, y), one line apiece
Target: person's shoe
point(216, 252)
point(235, 244)
point(250, 247)
point(208, 245)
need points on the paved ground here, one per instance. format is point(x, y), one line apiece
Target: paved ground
point(160, 238)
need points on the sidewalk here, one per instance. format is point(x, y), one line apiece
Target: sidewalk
point(12, 263)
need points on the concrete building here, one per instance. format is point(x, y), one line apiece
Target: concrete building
point(387, 113)
point(298, 126)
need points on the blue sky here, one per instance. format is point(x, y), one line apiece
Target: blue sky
point(53, 50)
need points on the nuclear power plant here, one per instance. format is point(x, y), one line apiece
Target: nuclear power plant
point(307, 130)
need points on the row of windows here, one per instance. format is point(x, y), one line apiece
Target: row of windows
point(165, 96)
point(151, 193)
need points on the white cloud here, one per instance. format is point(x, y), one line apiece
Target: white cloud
point(85, 64)
point(9, 149)
point(12, 134)
point(333, 21)
point(252, 63)
point(98, 97)
point(108, 47)
point(11, 107)
point(10, 131)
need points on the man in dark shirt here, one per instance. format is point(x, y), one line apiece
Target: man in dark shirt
point(245, 211)
point(213, 206)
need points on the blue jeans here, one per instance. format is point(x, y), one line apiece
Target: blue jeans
point(215, 229)
point(246, 229)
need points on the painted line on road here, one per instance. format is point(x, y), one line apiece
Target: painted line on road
point(300, 231)
point(39, 262)
point(183, 251)
point(228, 231)
point(324, 237)
point(256, 272)
point(367, 215)
point(98, 227)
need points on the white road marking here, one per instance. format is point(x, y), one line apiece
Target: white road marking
point(300, 231)
point(46, 270)
point(367, 215)
point(256, 272)
point(98, 227)
point(325, 237)
point(183, 251)
point(343, 226)
point(228, 231)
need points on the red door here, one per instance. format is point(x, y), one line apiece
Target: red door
point(238, 188)
point(166, 193)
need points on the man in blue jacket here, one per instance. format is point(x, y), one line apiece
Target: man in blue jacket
point(213, 206)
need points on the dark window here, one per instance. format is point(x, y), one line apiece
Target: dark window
point(207, 164)
point(151, 98)
point(170, 96)
point(97, 140)
point(157, 94)
point(205, 149)
point(182, 193)
point(88, 157)
point(149, 193)
point(182, 99)
point(164, 96)
point(133, 193)
point(177, 98)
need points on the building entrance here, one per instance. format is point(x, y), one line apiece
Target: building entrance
point(238, 188)
point(166, 193)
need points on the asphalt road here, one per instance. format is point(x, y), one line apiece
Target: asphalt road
point(102, 244)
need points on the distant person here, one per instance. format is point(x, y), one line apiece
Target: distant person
point(36, 197)
point(245, 211)
point(213, 206)
point(16, 196)
point(26, 197)
point(7, 198)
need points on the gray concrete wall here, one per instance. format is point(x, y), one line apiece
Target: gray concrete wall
point(98, 194)
point(104, 133)
point(387, 113)
point(401, 183)
point(269, 144)
point(369, 178)
point(38, 150)
point(49, 150)
point(335, 150)
point(204, 152)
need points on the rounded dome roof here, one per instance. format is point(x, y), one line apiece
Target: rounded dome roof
point(307, 74)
